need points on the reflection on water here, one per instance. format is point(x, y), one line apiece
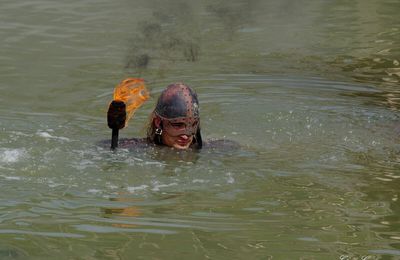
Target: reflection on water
point(132, 211)
point(390, 100)
point(381, 70)
point(309, 91)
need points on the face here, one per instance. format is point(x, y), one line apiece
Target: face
point(178, 133)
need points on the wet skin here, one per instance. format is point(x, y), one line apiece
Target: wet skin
point(181, 141)
point(178, 142)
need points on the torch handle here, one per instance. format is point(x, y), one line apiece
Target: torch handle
point(114, 138)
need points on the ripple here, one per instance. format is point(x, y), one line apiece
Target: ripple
point(386, 252)
point(104, 229)
point(36, 233)
point(308, 239)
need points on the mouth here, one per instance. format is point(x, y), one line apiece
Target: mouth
point(183, 142)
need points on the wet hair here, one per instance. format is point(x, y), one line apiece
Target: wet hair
point(176, 101)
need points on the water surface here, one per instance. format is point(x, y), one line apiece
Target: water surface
point(309, 89)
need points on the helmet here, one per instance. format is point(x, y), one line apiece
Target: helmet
point(178, 109)
point(178, 101)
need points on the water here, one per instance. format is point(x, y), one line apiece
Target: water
point(308, 88)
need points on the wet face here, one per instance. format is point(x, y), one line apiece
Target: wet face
point(179, 142)
point(177, 114)
point(177, 133)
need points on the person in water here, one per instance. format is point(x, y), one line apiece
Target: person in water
point(175, 121)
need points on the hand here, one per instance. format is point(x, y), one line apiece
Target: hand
point(116, 115)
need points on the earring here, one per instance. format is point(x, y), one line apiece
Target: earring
point(158, 131)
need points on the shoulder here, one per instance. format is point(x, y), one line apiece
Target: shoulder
point(127, 143)
point(143, 143)
point(221, 144)
point(134, 143)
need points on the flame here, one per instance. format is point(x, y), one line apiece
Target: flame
point(133, 92)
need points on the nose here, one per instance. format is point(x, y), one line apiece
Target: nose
point(184, 136)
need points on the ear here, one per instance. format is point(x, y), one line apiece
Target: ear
point(157, 122)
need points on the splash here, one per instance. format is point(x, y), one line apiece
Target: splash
point(11, 155)
point(48, 136)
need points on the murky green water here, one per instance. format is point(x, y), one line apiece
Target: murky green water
point(310, 89)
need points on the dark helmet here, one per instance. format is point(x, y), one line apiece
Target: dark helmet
point(179, 101)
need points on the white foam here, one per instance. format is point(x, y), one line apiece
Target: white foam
point(54, 185)
point(49, 136)
point(137, 188)
point(158, 186)
point(94, 191)
point(199, 181)
point(111, 186)
point(12, 178)
point(11, 155)
point(230, 179)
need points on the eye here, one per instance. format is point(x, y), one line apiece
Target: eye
point(178, 125)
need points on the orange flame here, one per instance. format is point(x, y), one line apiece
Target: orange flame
point(133, 92)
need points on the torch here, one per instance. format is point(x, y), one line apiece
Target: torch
point(129, 95)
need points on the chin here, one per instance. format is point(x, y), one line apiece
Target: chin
point(181, 147)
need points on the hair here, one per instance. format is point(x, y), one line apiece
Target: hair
point(152, 137)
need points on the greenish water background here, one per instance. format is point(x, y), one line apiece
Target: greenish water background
point(310, 89)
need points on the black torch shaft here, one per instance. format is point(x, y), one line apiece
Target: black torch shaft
point(114, 138)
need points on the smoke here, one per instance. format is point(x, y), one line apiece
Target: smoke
point(182, 32)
